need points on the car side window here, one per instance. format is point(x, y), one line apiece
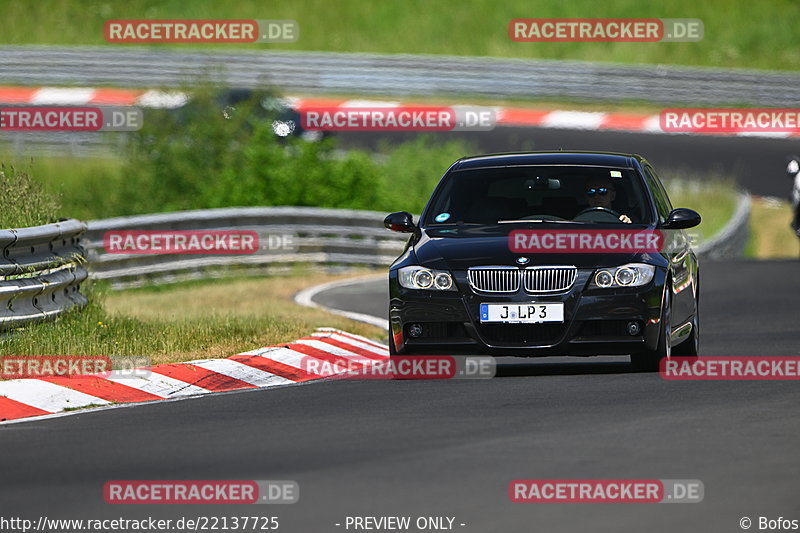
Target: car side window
point(663, 205)
point(661, 188)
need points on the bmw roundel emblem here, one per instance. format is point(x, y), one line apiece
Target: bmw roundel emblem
point(523, 260)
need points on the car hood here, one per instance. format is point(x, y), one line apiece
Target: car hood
point(459, 249)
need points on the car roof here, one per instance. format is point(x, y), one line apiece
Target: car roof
point(606, 159)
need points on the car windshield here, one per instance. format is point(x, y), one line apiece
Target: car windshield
point(554, 194)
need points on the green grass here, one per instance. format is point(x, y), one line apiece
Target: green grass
point(167, 324)
point(738, 33)
point(714, 198)
point(23, 200)
point(82, 186)
point(771, 236)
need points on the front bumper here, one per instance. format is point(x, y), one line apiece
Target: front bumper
point(595, 320)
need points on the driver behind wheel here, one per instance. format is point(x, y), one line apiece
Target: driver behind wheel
point(599, 192)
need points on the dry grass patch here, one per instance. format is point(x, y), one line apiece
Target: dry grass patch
point(771, 237)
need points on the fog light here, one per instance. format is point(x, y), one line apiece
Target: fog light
point(634, 328)
point(415, 330)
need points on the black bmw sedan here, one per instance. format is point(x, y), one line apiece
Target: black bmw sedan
point(533, 254)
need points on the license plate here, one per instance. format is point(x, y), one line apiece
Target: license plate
point(522, 313)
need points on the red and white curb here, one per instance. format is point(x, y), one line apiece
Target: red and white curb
point(284, 364)
point(506, 116)
point(89, 96)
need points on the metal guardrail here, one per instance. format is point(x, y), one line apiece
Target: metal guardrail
point(398, 75)
point(66, 144)
point(317, 236)
point(41, 269)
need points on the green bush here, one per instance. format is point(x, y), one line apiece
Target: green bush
point(413, 169)
point(194, 158)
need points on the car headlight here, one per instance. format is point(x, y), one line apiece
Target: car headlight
point(416, 277)
point(631, 275)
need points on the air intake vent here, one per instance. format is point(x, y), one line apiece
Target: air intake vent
point(546, 279)
point(494, 279)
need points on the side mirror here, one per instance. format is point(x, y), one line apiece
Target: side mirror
point(682, 218)
point(401, 221)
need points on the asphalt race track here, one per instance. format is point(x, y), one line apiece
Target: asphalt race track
point(757, 164)
point(450, 448)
